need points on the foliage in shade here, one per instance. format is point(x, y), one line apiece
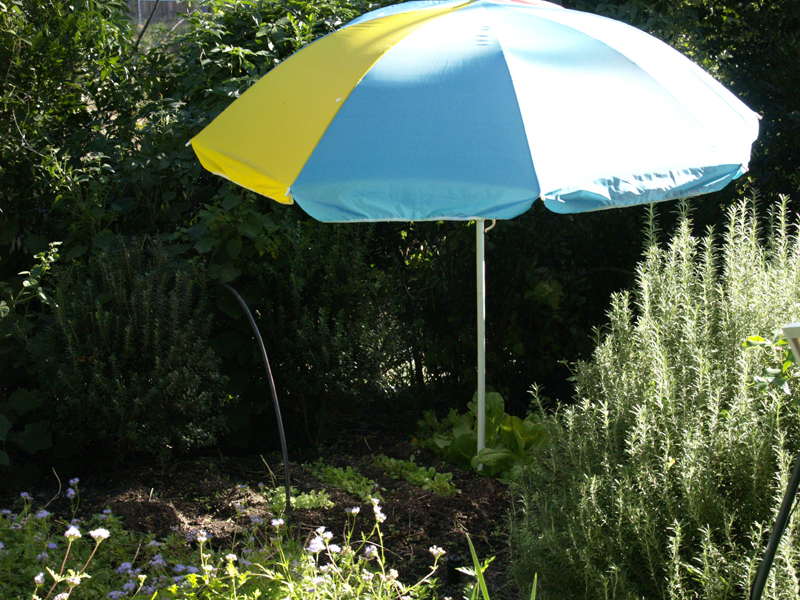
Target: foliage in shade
point(663, 479)
point(126, 362)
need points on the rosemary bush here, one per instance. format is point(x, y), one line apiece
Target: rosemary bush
point(664, 478)
point(126, 362)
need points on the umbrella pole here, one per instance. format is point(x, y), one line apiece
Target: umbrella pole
point(481, 280)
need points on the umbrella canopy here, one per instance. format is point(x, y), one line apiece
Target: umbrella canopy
point(473, 109)
point(466, 109)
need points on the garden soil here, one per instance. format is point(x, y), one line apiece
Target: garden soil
point(210, 493)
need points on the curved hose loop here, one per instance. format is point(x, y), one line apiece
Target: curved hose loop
point(272, 389)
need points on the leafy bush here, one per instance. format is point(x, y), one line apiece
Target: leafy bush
point(325, 310)
point(348, 479)
point(510, 442)
point(417, 475)
point(126, 363)
point(276, 498)
point(664, 477)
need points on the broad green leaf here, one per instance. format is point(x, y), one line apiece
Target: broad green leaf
point(463, 425)
point(234, 247)
point(22, 401)
point(5, 427)
point(497, 457)
point(37, 436)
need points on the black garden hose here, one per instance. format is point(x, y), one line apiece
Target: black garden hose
point(272, 389)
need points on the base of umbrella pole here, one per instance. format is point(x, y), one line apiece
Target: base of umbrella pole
point(481, 283)
point(264, 358)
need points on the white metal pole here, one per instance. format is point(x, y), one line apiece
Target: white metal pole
point(481, 277)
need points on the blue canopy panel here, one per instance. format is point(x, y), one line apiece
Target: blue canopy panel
point(453, 145)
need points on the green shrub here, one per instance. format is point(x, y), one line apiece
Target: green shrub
point(324, 308)
point(348, 479)
point(126, 363)
point(510, 442)
point(665, 476)
point(417, 475)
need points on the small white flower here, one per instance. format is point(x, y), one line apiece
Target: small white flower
point(354, 511)
point(98, 535)
point(73, 581)
point(277, 522)
point(328, 535)
point(39, 579)
point(231, 557)
point(393, 574)
point(320, 530)
point(379, 516)
point(72, 533)
point(201, 537)
point(316, 545)
point(366, 575)
point(436, 551)
point(334, 548)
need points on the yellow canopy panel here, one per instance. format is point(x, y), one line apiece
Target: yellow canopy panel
point(264, 138)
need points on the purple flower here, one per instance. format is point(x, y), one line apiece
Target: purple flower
point(71, 493)
point(25, 496)
point(74, 482)
point(124, 567)
point(42, 514)
point(157, 561)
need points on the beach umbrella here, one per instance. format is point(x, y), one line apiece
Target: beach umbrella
point(474, 109)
